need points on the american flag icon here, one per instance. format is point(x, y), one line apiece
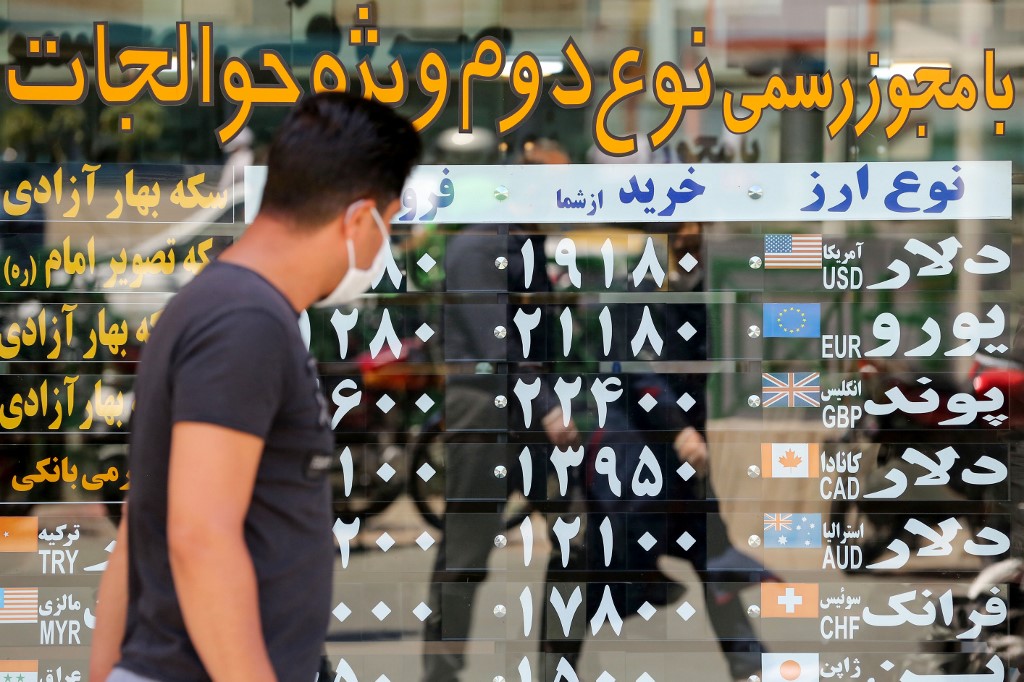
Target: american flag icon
point(800, 389)
point(792, 251)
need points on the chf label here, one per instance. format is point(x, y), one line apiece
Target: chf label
point(839, 627)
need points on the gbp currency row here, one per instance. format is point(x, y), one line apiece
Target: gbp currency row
point(41, 403)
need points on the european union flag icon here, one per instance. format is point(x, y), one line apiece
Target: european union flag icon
point(792, 320)
point(792, 531)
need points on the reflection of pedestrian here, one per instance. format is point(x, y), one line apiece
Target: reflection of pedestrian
point(470, 528)
point(239, 155)
point(23, 237)
point(688, 518)
point(223, 568)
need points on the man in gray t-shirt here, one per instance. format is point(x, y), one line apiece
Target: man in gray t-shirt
point(222, 568)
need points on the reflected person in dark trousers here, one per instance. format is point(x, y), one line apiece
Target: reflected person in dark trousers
point(685, 517)
point(471, 434)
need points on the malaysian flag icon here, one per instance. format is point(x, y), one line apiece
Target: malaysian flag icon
point(19, 605)
point(792, 251)
point(799, 389)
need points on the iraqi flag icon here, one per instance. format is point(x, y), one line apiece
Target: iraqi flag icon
point(790, 667)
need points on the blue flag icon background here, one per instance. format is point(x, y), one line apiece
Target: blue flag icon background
point(792, 320)
point(792, 531)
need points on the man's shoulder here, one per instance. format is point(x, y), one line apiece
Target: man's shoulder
point(226, 276)
point(227, 299)
point(226, 285)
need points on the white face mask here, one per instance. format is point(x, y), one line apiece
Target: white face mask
point(357, 281)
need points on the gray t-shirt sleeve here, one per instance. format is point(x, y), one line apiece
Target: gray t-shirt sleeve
point(231, 372)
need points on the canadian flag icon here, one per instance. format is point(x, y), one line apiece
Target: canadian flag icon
point(789, 460)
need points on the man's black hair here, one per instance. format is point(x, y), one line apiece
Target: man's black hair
point(332, 150)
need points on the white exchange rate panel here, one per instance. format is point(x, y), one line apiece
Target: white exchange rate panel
point(604, 193)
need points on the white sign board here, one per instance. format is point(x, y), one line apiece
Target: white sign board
point(761, 192)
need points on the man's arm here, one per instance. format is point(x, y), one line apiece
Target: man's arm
point(111, 607)
point(210, 485)
point(691, 447)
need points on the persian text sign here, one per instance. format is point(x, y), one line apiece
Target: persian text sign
point(279, 83)
point(611, 193)
point(157, 193)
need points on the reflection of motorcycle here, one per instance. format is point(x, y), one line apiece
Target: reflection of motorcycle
point(426, 448)
point(400, 457)
point(995, 589)
point(1006, 375)
point(371, 472)
point(31, 356)
point(897, 436)
point(84, 293)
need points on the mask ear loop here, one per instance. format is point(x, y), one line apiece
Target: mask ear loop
point(349, 246)
point(351, 250)
point(351, 207)
point(379, 219)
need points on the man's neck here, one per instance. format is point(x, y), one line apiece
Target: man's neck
point(276, 253)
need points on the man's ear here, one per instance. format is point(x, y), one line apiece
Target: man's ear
point(354, 216)
point(390, 209)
